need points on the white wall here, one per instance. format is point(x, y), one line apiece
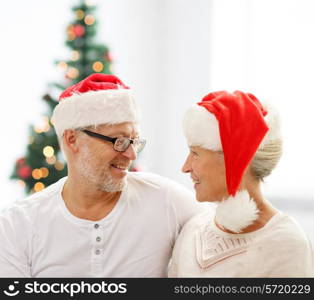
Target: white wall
point(32, 37)
point(266, 47)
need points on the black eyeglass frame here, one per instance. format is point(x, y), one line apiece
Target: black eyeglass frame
point(113, 140)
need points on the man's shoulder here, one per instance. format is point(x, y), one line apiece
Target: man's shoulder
point(29, 206)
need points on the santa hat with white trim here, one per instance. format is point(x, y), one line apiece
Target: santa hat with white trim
point(237, 124)
point(98, 99)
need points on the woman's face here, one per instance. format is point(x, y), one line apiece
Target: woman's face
point(207, 170)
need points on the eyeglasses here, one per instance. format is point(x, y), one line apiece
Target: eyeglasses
point(120, 144)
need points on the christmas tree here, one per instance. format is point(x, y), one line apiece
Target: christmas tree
point(42, 164)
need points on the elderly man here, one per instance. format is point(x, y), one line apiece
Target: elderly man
point(99, 221)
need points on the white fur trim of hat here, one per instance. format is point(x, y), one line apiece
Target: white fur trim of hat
point(201, 127)
point(112, 106)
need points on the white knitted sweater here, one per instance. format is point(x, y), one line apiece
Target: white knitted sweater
point(279, 249)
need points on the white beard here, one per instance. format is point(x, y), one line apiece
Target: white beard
point(111, 186)
point(236, 212)
point(104, 180)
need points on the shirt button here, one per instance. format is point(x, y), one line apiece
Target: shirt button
point(98, 238)
point(96, 226)
point(97, 252)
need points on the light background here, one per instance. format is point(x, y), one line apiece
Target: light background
point(173, 52)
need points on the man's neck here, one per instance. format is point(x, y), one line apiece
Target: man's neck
point(87, 202)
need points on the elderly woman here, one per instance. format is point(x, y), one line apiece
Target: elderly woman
point(234, 144)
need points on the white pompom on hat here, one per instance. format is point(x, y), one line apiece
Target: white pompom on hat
point(98, 99)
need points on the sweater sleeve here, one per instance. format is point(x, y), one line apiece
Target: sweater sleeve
point(14, 247)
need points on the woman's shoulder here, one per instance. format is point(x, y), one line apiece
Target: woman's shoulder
point(285, 249)
point(285, 229)
point(287, 238)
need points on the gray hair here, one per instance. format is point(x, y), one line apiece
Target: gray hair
point(266, 159)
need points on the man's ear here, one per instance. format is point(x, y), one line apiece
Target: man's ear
point(70, 140)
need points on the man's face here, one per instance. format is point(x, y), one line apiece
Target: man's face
point(207, 170)
point(99, 163)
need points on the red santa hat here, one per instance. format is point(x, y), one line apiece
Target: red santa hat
point(98, 99)
point(235, 123)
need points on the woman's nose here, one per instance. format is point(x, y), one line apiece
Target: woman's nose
point(186, 168)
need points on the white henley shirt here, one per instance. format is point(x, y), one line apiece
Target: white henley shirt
point(41, 238)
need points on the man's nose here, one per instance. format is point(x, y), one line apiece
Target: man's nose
point(130, 153)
